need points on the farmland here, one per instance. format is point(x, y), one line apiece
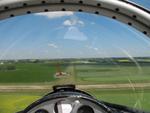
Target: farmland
point(83, 72)
point(28, 73)
point(95, 74)
point(80, 72)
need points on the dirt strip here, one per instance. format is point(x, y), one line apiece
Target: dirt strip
point(115, 86)
point(13, 88)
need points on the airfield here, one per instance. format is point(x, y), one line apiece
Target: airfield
point(116, 80)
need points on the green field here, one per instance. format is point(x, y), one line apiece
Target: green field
point(138, 99)
point(81, 74)
point(99, 74)
point(29, 73)
point(13, 102)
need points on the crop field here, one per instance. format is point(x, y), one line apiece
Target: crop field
point(28, 73)
point(95, 74)
point(23, 73)
point(83, 74)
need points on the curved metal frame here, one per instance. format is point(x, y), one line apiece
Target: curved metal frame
point(121, 10)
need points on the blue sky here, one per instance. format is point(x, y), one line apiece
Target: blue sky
point(70, 35)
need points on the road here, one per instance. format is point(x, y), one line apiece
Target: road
point(14, 88)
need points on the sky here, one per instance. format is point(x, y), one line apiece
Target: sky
point(70, 35)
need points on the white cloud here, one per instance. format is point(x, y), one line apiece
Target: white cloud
point(81, 22)
point(93, 23)
point(58, 14)
point(74, 33)
point(93, 48)
point(67, 23)
point(96, 49)
point(52, 45)
point(73, 22)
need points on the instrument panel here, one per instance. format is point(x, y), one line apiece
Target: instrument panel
point(67, 105)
